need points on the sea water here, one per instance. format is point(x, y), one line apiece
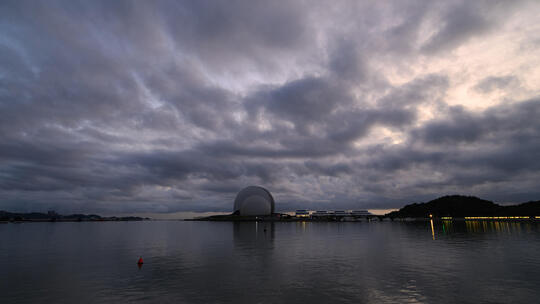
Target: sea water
point(296, 262)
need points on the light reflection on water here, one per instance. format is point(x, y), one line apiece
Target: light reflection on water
point(499, 227)
point(206, 262)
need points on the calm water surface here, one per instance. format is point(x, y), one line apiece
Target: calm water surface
point(214, 262)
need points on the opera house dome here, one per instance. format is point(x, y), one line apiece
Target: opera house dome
point(254, 201)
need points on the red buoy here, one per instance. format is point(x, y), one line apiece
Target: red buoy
point(140, 262)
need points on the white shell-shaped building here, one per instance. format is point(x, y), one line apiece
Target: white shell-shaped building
point(254, 200)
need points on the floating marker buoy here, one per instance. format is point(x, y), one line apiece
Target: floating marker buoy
point(140, 262)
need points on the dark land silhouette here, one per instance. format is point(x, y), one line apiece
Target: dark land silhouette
point(52, 216)
point(456, 206)
point(464, 206)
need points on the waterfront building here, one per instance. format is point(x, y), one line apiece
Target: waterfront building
point(302, 213)
point(254, 201)
point(339, 213)
point(320, 213)
point(361, 213)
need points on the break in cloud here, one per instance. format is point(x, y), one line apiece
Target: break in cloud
point(167, 106)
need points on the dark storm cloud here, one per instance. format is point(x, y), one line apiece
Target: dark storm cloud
point(469, 150)
point(430, 88)
point(326, 117)
point(218, 32)
point(491, 83)
point(307, 99)
point(348, 63)
point(171, 106)
point(459, 23)
point(504, 124)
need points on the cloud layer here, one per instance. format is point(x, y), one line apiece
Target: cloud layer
point(168, 106)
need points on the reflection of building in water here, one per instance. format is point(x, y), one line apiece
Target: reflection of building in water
point(497, 226)
point(253, 232)
point(447, 227)
point(441, 228)
point(302, 226)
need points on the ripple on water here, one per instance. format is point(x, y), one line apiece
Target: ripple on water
point(202, 262)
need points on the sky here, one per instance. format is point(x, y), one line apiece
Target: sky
point(175, 106)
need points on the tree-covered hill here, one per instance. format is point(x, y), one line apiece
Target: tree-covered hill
point(461, 206)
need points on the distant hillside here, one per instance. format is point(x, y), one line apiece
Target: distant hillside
point(461, 206)
point(53, 216)
point(531, 208)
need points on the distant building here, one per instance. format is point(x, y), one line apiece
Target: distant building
point(361, 213)
point(340, 213)
point(320, 213)
point(302, 213)
point(254, 201)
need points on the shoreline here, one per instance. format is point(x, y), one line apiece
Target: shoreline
point(365, 219)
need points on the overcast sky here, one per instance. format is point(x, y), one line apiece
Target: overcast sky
point(170, 106)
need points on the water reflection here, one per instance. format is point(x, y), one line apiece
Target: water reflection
point(432, 230)
point(253, 233)
point(223, 262)
point(448, 227)
point(301, 226)
point(496, 226)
